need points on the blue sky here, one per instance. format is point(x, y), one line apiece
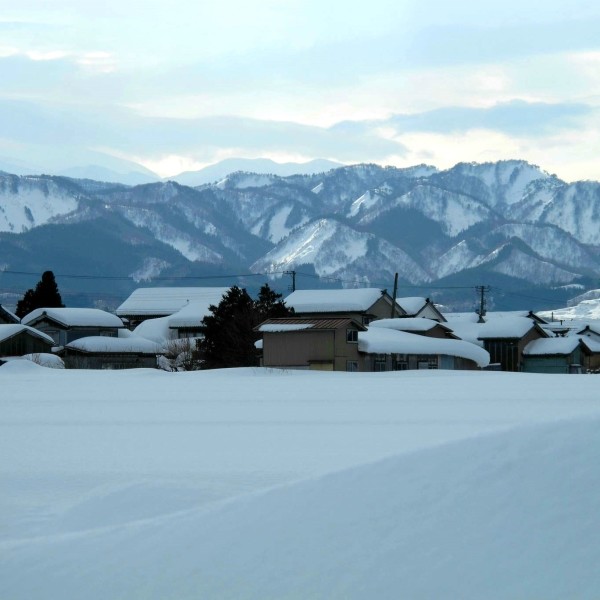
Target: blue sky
point(176, 86)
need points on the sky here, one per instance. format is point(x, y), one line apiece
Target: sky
point(176, 86)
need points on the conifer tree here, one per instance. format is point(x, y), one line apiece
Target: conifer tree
point(45, 295)
point(228, 331)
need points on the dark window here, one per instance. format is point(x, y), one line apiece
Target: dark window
point(352, 366)
point(351, 335)
point(379, 364)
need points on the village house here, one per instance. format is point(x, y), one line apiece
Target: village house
point(65, 325)
point(557, 355)
point(153, 303)
point(503, 335)
point(342, 344)
point(17, 339)
point(101, 352)
point(321, 343)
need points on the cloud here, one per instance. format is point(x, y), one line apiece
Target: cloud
point(516, 118)
point(127, 133)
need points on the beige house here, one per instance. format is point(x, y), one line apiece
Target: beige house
point(325, 344)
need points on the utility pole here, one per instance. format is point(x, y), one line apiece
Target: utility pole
point(394, 295)
point(293, 274)
point(482, 290)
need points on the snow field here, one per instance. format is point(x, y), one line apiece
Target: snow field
point(251, 483)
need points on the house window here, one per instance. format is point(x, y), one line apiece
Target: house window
point(427, 362)
point(351, 366)
point(351, 336)
point(399, 362)
point(379, 364)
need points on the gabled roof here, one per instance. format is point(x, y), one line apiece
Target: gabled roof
point(288, 324)
point(334, 301)
point(387, 341)
point(12, 329)
point(162, 301)
point(74, 317)
point(415, 305)
point(508, 328)
point(556, 346)
point(7, 315)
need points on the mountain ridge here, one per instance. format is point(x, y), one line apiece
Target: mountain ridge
point(359, 224)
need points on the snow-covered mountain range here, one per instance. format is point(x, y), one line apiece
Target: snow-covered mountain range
point(507, 223)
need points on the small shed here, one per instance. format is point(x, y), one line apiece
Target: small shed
point(99, 352)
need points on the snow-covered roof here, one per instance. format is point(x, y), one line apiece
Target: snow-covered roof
point(412, 305)
point(9, 315)
point(98, 343)
point(379, 340)
point(551, 346)
point(191, 314)
point(168, 300)
point(507, 327)
point(287, 324)
point(592, 345)
point(12, 329)
point(407, 324)
point(74, 317)
point(346, 300)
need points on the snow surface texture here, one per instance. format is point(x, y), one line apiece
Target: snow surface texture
point(268, 484)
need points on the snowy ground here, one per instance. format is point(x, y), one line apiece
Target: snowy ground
point(264, 484)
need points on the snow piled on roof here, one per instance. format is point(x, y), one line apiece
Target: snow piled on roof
point(75, 317)
point(466, 327)
point(12, 329)
point(191, 314)
point(156, 330)
point(411, 305)
point(346, 300)
point(389, 341)
point(99, 343)
point(278, 327)
point(168, 300)
point(551, 346)
point(405, 324)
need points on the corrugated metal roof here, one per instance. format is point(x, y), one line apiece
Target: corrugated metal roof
point(315, 323)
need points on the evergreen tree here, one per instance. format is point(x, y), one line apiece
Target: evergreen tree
point(45, 295)
point(228, 331)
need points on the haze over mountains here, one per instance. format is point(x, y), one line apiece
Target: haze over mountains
point(507, 224)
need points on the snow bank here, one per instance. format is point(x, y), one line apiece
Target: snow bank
point(507, 516)
point(150, 484)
